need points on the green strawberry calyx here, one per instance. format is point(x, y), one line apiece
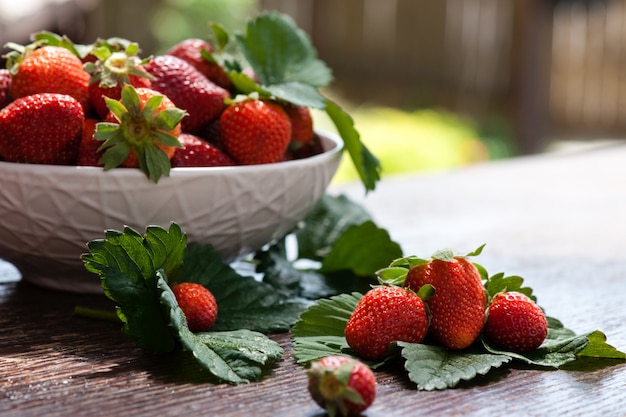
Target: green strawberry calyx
point(395, 273)
point(114, 67)
point(138, 129)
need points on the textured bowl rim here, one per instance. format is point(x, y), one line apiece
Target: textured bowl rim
point(328, 138)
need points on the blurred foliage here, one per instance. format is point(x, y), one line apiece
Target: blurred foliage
point(175, 20)
point(421, 140)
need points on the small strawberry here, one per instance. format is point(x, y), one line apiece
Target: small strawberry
point(458, 307)
point(47, 69)
point(255, 131)
point(5, 87)
point(515, 323)
point(88, 154)
point(41, 129)
point(301, 124)
point(341, 385)
point(141, 131)
point(312, 148)
point(197, 152)
point(111, 71)
point(190, 50)
point(188, 89)
point(198, 304)
point(385, 314)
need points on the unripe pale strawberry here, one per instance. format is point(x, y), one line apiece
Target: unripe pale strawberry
point(515, 323)
point(341, 385)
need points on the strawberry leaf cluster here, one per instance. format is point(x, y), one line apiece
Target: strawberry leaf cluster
point(136, 273)
point(320, 332)
point(138, 270)
point(313, 293)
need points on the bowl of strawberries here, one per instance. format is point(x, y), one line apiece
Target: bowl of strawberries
point(94, 138)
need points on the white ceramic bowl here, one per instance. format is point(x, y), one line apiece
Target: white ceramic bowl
point(49, 213)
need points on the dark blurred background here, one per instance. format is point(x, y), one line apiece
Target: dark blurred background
point(455, 81)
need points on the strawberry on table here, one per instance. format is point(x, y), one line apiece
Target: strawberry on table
point(198, 304)
point(190, 50)
point(384, 315)
point(41, 129)
point(255, 131)
point(341, 385)
point(141, 131)
point(515, 322)
point(197, 152)
point(188, 89)
point(458, 307)
point(48, 69)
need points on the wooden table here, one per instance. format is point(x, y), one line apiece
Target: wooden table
point(557, 220)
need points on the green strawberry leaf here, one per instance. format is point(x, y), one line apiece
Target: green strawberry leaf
point(127, 263)
point(344, 244)
point(320, 330)
point(328, 220)
point(300, 279)
point(362, 249)
point(598, 348)
point(287, 67)
point(231, 356)
point(279, 52)
point(366, 164)
point(434, 367)
point(498, 283)
point(297, 93)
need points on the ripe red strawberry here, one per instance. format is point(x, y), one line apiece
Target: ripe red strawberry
point(197, 152)
point(458, 307)
point(88, 154)
point(5, 86)
point(111, 71)
point(198, 304)
point(255, 131)
point(301, 123)
point(515, 323)
point(190, 50)
point(385, 314)
point(141, 131)
point(188, 89)
point(341, 385)
point(41, 129)
point(48, 69)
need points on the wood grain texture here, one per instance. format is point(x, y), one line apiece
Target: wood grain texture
point(558, 221)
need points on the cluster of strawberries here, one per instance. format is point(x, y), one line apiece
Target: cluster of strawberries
point(102, 105)
point(441, 300)
point(445, 301)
